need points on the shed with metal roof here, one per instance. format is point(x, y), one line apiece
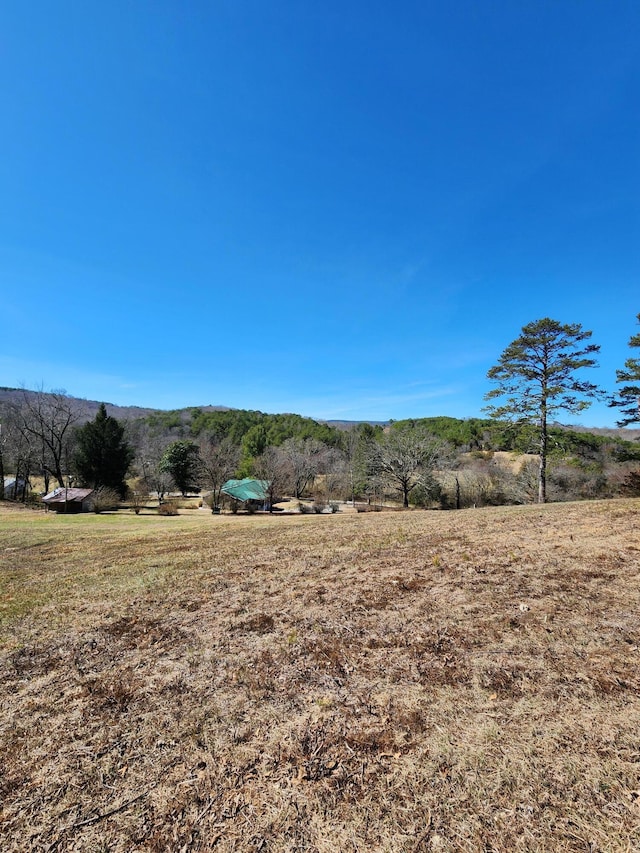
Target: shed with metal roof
point(247, 489)
point(70, 500)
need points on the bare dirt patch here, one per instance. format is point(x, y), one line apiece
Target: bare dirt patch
point(377, 682)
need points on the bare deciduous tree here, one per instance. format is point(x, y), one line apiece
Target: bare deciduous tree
point(303, 456)
point(149, 449)
point(355, 446)
point(17, 455)
point(405, 457)
point(3, 451)
point(273, 468)
point(333, 465)
point(47, 421)
point(219, 460)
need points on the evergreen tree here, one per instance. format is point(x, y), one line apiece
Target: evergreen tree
point(536, 374)
point(181, 460)
point(629, 394)
point(102, 455)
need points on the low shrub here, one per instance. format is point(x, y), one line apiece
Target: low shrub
point(137, 495)
point(631, 484)
point(187, 503)
point(105, 499)
point(168, 508)
point(33, 500)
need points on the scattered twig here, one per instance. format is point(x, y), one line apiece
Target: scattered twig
point(424, 836)
point(205, 811)
point(97, 818)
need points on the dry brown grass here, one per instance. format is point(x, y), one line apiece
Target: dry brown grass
point(377, 682)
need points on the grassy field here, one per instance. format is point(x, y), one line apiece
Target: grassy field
point(420, 681)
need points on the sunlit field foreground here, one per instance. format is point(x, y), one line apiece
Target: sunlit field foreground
point(377, 682)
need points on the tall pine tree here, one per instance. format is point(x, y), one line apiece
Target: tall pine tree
point(536, 375)
point(103, 455)
point(629, 395)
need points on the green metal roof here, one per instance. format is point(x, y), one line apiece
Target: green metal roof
point(247, 489)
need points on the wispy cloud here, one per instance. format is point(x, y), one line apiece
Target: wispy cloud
point(378, 405)
point(77, 381)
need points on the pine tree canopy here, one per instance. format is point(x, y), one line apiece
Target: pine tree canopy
point(536, 372)
point(103, 455)
point(628, 399)
point(536, 375)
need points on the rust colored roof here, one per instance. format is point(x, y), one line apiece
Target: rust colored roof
point(60, 496)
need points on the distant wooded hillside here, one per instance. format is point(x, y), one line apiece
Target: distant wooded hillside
point(192, 421)
point(89, 408)
point(450, 462)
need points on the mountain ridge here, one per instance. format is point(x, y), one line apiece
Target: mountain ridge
point(89, 408)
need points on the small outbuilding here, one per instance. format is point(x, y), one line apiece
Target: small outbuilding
point(70, 500)
point(247, 490)
point(16, 489)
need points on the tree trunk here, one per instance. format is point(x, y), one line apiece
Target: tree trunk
point(59, 475)
point(25, 481)
point(542, 470)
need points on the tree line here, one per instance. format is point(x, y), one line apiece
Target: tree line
point(429, 461)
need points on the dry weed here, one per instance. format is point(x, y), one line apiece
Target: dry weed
point(400, 682)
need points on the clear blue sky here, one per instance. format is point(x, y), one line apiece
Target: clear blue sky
point(345, 210)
